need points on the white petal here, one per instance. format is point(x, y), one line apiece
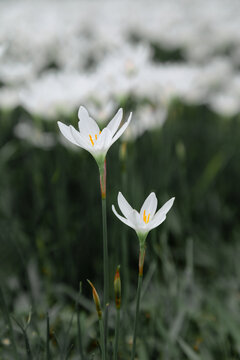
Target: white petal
point(149, 205)
point(139, 225)
point(122, 129)
point(166, 207)
point(124, 206)
point(135, 219)
point(115, 122)
point(81, 141)
point(104, 140)
point(157, 221)
point(163, 211)
point(65, 130)
point(86, 124)
point(125, 221)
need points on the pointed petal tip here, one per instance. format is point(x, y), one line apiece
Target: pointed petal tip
point(60, 124)
point(152, 193)
point(155, 197)
point(115, 211)
point(81, 107)
point(167, 206)
point(81, 111)
point(120, 198)
point(121, 130)
point(120, 194)
point(67, 132)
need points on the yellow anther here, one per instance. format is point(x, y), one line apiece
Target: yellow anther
point(90, 137)
point(146, 218)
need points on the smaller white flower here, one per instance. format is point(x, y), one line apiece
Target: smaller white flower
point(147, 219)
point(90, 137)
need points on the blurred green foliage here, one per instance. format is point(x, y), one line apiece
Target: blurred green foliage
point(50, 222)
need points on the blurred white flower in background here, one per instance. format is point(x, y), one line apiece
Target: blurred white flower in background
point(2, 50)
point(27, 131)
point(55, 93)
point(147, 117)
point(9, 97)
point(225, 103)
point(16, 72)
point(55, 55)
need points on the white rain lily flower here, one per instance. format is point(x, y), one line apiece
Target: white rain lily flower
point(90, 137)
point(147, 219)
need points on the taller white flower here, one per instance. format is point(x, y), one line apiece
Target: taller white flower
point(90, 137)
point(97, 142)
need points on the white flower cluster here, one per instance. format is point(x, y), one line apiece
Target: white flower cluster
point(55, 55)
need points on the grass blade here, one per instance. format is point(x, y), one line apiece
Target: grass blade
point(48, 339)
point(5, 312)
point(80, 345)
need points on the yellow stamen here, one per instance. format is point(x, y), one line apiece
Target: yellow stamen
point(146, 218)
point(91, 140)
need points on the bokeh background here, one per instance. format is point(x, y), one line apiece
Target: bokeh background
point(176, 65)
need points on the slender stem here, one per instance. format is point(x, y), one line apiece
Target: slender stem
point(125, 267)
point(102, 171)
point(136, 316)
point(102, 339)
point(116, 335)
point(124, 243)
point(106, 272)
point(139, 288)
point(105, 253)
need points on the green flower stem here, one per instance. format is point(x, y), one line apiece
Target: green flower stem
point(124, 243)
point(125, 267)
point(139, 288)
point(105, 253)
point(102, 340)
point(116, 334)
point(102, 171)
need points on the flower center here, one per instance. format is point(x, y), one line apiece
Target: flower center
point(91, 139)
point(145, 217)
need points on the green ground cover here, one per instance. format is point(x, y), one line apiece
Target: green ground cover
point(51, 239)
